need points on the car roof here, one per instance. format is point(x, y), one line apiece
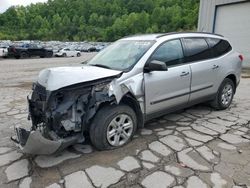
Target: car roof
point(157, 36)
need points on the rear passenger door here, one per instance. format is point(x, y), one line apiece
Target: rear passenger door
point(204, 68)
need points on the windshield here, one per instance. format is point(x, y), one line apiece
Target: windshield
point(121, 55)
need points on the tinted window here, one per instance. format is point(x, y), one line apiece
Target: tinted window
point(170, 52)
point(197, 49)
point(218, 46)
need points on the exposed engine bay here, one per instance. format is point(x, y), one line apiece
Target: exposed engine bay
point(60, 118)
point(65, 100)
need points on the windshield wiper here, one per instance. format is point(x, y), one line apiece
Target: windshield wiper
point(100, 65)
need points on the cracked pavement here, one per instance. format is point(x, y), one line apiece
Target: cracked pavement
point(195, 148)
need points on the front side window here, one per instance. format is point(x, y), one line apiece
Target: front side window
point(170, 52)
point(197, 49)
point(121, 55)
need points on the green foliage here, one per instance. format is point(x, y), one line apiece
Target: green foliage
point(98, 20)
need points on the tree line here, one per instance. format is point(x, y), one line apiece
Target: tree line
point(96, 20)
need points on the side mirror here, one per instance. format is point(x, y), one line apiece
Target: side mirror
point(155, 65)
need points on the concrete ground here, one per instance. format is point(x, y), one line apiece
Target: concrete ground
point(195, 148)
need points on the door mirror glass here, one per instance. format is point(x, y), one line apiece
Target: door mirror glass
point(155, 65)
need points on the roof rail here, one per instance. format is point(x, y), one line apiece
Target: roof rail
point(135, 35)
point(172, 33)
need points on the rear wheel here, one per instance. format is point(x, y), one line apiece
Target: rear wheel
point(224, 95)
point(24, 55)
point(49, 54)
point(113, 127)
point(78, 54)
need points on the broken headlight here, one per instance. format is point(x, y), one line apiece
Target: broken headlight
point(59, 97)
point(102, 87)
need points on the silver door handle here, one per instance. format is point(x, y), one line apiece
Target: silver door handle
point(184, 74)
point(215, 66)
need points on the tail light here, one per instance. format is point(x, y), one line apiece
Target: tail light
point(241, 57)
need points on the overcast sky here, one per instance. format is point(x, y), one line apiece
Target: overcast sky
point(4, 4)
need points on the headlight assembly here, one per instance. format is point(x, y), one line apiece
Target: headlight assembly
point(102, 87)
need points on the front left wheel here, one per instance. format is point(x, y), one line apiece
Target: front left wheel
point(112, 127)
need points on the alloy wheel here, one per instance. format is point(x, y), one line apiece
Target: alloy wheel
point(227, 94)
point(120, 130)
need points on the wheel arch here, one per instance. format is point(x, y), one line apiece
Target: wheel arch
point(131, 101)
point(127, 99)
point(24, 51)
point(234, 79)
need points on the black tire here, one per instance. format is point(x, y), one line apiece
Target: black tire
point(24, 55)
point(217, 102)
point(78, 54)
point(49, 54)
point(98, 128)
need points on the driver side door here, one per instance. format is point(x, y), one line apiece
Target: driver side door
point(171, 88)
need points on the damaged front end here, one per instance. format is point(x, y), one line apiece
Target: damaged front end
point(61, 117)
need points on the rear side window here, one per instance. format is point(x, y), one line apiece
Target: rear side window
point(170, 52)
point(218, 47)
point(196, 49)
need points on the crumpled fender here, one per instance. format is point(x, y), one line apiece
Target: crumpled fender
point(133, 85)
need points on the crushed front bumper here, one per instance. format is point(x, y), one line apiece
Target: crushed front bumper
point(33, 142)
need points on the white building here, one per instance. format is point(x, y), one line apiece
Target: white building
point(231, 18)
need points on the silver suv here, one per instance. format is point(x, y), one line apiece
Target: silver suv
point(133, 80)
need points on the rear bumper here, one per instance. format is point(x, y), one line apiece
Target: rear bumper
point(238, 83)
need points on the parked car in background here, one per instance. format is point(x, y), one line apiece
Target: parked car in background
point(132, 81)
point(29, 50)
point(3, 52)
point(99, 47)
point(68, 52)
point(88, 48)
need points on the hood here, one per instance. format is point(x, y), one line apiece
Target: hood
point(59, 77)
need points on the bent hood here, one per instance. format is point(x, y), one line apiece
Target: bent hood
point(59, 77)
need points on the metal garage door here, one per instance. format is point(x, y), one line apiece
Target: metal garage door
point(233, 21)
